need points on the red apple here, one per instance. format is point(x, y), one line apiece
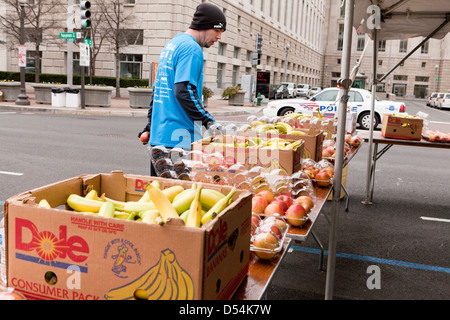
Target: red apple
point(273, 208)
point(355, 141)
point(323, 179)
point(145, 137)
point(281, 224)
point(267, 243)
point(296, 215)
point(272, 227)
point(311, 173)
point(328, 170)
point(256, 220)
point(285, 198)
point(306, 201)
point(283, 205)
point(259, 204)
point(328, 152)
point(267, 194)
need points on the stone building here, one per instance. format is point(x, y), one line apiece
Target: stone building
point(301, 43)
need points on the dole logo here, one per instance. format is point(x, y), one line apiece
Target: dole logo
point(48, 245)
point(217, 236)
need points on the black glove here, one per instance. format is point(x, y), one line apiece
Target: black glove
point(145, 129)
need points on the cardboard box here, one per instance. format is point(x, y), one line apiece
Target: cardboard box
point(400, 127)
point(226, 154)
point(65, 255)
point(313, 141)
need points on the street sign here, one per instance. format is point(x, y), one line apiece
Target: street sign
point(85, 55)
point(88, 42)
point(70, 35)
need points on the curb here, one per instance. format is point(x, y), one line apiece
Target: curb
point(105, 112)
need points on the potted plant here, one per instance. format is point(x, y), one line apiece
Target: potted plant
point(140, 96)
point(10, 89)
point(207, 93)
point(235, 95)
point(98, 95)
point(43, 91)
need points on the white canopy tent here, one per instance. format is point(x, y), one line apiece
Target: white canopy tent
point(381, 20)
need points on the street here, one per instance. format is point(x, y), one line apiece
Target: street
point(404, 233)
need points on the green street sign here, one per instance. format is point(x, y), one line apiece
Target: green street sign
point(67, 35)
point(438, 79)
point(88, 42)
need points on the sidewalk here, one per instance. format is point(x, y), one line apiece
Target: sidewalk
point(121, 107)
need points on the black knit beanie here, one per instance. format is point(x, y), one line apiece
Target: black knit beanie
point(208, 16)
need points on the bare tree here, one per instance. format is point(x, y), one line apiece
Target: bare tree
point(115, 19)
point(41, 19)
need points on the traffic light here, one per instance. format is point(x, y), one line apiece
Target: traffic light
point(85, 14)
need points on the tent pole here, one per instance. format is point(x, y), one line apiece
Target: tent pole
point(369, 172)
point(340, 140)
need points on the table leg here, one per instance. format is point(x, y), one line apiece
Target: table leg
point(321, 251)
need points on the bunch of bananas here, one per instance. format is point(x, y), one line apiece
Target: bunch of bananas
point(195, 205)
point(277, 128)
point(281, 144)
point(166, 280)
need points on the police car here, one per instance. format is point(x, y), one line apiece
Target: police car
point(327, 102)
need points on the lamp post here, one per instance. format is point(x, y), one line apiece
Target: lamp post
point(436, 68)
point(22, 98)
point(286, 62)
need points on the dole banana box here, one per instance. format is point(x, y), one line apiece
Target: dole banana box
point(57, 254)
point(224, 151)
point(313, 141)
point(402, 127)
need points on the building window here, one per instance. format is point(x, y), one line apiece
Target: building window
point(424, 48)
point(131, 66)
point(220, 70)
point(380, 62)
point(221, 49)
point(30, 61)
point(382, 45)
point(132, 37)
point(236, 52)
point(422, 79)
point(403, 45)
point(400, 77)
point(424, 64)
point(340, 37)
point(235, 75)
point(361, 42)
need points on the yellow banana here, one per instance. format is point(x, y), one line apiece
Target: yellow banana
point(119, 205)
point(209, 198)
point(79, 203)
point(150, 216)
point(44, 204)
point(136, 206)
point(92, 194)
point(146, 197)
point(218, 207)
point(195, 211)
point(121, 215)
point(107, 210)
point(296, 132)
point(162, 203)
point(183, 200)
point(172, 192)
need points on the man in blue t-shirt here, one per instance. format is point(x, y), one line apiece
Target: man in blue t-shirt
point(176, 114)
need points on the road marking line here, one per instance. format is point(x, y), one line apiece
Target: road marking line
point(435, 219)
point(12, 173)
point(8, 112)
point(377, 260)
